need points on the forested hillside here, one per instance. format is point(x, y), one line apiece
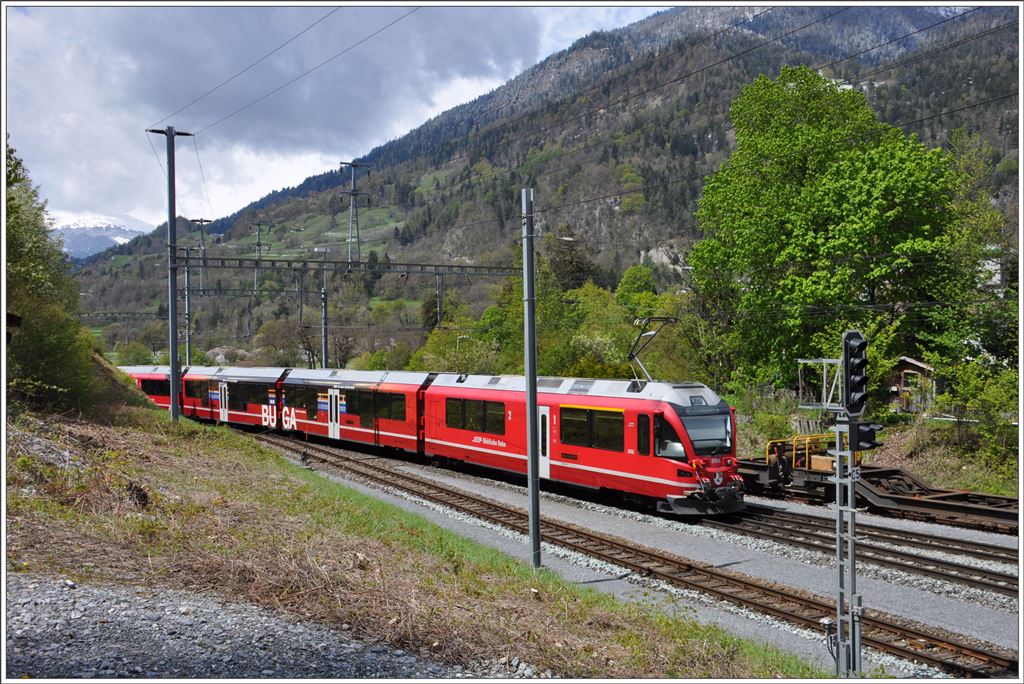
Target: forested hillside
point(619, 135)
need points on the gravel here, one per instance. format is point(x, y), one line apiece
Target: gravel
point(59, 629)
point(977, 614)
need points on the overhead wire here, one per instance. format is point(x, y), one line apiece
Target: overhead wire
point(202, 175)
point(308, 71)
point(231, 78)
point(708, 105)
point(760, 161)
point(604, 83)
point(156, 156)
point(633, 96)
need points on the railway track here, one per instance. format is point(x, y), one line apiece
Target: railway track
point(951, 653)
point(818, 534)
point(890, 492)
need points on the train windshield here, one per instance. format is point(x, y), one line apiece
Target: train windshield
point(709, 428)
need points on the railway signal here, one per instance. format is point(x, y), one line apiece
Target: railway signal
point(862, 436)
point(855, 372)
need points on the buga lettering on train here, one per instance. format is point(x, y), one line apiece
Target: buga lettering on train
point(670, 445)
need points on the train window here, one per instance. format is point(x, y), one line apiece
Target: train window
point(544, 436)
point(382, 405)
point(367, 408)
point(608, 430)
point(643, 434)
point(474, 415)
point(710, 434)
point(241, 394)
point(352, 402)
point(453, 413)
point(160, 388)
point(302, 398)
point(666, 441)
point(197, 389)
point(397, 407)
point(575, 426)
point(494, 413)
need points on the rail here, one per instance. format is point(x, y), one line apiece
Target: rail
point(952, 653)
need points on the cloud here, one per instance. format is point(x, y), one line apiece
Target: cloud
point(84, 82)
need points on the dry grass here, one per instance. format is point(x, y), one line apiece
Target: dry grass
point(201, 508)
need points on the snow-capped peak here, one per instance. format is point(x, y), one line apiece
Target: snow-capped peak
point(68, 220)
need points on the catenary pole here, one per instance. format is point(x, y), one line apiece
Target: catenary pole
point(323, 326)
point(530, 360)
point(172, 271)
point(188, 311)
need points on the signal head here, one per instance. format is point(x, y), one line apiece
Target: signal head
point(855, 372)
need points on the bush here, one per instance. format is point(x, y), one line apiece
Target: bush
point(50, 360)
point(133, 354)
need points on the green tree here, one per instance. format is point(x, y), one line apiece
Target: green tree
point(133, 353)
point(49, 359)
point(824, 218)
point(571, 262)
point(636, 291)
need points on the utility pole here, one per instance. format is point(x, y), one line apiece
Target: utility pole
point(172, 269)
point(353, 212)
point(323, 308)
point(530, 357)
point(439, 288)
point(202, 252)
point(259, 250)
point(188, 312)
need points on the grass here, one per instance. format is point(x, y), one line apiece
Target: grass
point(219, 513)
point(929, 450)
point(426, 185)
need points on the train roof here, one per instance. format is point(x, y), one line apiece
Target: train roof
point(349, 378)
point(146, 370)
point(260, 374)
point(201, 372)
point(635, 389)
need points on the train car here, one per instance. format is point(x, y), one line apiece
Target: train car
point(247, 396)
point(200, 392)
point(372, 407)
point(668, 444)
point(154, 381)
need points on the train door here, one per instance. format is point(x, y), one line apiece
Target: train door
point(544, 441)
point(381, 407)
point(223, 402)
point(333, 399)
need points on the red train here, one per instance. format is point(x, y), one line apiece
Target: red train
point(673, 445)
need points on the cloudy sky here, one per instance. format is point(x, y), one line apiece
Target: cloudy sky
point(83, 83)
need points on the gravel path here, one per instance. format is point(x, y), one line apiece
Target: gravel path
point(57, 629)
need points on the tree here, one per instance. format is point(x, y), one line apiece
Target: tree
point(133, 354)
point(49, 358)
point(571, 262)
point(636, 291)
point(824, 218)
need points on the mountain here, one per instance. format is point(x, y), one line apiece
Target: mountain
point(85, 234)
point(616, 134)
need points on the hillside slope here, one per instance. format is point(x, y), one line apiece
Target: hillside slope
point(616, 134)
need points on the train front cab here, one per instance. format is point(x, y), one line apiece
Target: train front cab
point(597, 434)
point(696, 430)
